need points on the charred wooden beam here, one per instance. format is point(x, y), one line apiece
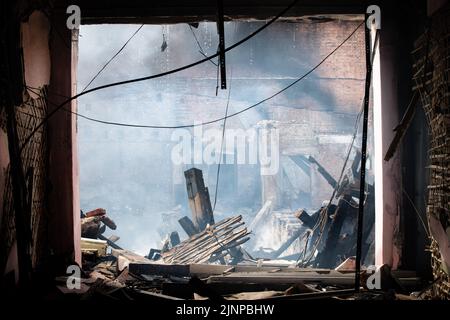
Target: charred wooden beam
point(125, 258)
point(188, 226)
point(110, 242)
point(199, 201)
point(174, 239)
point(157, 12)
point(307, 220)
point(356, 163)
point(154, 254)
point(201, 288)
point(93, 245)
point(369, 223)
point(402, 127)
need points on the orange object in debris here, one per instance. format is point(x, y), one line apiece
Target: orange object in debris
point(96, 213)
point(109, 222)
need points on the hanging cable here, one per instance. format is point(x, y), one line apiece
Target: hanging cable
point(159, 74)
point(206, 122)
point(417, 212)
point(221, 144)
point(112, 58)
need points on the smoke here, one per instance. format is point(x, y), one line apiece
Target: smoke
point(128, 171)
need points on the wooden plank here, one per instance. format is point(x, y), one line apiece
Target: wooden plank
point(313, 295)
point(217, 238)
point(330, 278)
point(178, 290)
point(261, 215)
point(155, 296)
point(94, 245)
point(297, 233)
point(110, 242)
point(188, 226)
point(325, 174)
point(199, 201)
point(174, 239)
point(125, 258)
point(184, 291)
point(179, 270)
point(113, 238)
point(206, 270)
point(402, 127)
point(305, 218)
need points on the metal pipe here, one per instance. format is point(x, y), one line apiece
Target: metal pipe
point(363, 157)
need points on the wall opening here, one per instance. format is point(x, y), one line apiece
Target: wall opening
point(137, 174)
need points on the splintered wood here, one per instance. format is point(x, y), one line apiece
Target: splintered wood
point(431, 81)
point(211, 244)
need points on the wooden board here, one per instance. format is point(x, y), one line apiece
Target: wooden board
point(199, 201)
point(125, 258)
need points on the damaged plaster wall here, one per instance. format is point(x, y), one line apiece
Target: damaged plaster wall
point(4, 163)
point(36, 51)
point(36, 64)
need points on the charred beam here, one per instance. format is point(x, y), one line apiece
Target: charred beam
point(199, 201)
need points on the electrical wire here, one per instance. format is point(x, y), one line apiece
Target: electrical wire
point(221, 145)
point(215, 120)
point(202, 52)
point(159, 74)
point(46, 89)
point(112, 58)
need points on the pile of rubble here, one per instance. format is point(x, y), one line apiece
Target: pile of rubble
point(212, 264)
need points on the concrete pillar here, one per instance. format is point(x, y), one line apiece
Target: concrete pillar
point(63, 197)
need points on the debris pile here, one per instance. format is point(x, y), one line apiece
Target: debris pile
point(93, 225)
point(210, 245)
point(212, 263)
point(332, 230)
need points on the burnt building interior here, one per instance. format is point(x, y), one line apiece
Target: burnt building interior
point(225, 150)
